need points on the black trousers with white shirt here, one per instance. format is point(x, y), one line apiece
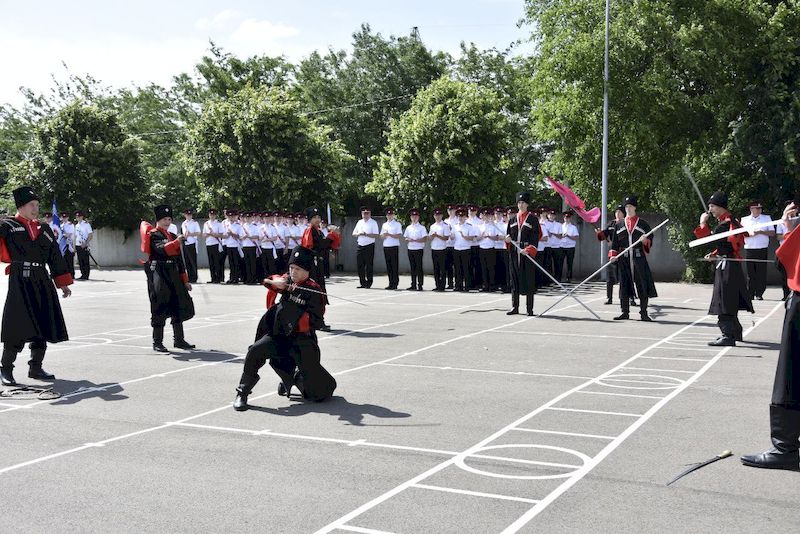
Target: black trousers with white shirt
point(440, 268)
point(392, 257)
point(415, 259)
point(191, 262)
point(365, 256)
point(756, 271)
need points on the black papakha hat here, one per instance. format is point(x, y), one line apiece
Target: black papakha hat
point(302, 257)
point(630, 199)
point(162, 210)
point(524, 196)
point(719, 199)
point(23, 195)
point(311, 212)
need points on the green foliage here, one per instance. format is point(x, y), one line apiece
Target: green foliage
point(256, 149)
point(451, 146)
point(83, 158)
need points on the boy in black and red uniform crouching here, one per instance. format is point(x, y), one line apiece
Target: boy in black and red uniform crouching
point(730, 287)
point(286, 335)
point(32, 313)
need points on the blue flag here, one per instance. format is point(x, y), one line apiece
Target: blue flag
point(62, 241)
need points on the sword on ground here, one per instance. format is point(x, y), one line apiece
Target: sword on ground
point(270, 282)
point(695, 467)
point(604, 266)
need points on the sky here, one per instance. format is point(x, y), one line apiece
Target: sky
point(136, 43)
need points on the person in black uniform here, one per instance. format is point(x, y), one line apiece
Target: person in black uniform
point(605, 235)
point(730, 286)
point(319, 245)
point(167, 281)
point(634, 271)
point(523, 229)
point(32, 313)
point(286, 336)
point(784, 409)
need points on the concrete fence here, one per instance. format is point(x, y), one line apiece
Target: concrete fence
point(112, 249)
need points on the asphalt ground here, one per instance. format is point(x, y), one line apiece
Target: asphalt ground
point(449, 417)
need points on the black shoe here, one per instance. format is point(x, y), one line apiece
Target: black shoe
point(723, 341)
point(7, 377)
point(159, 347)
point(182, 344)
point(360, 287)
point(38, 373)
point(633, 303)
point(240, 402)
point(449, 286)
point(608, 302)
point(283, 391)
point(412, 288)
point(513, 311)
point(646, 318)
point(325, 327)
point(419, 288)
point(531, 314)
point(622, 317)
point(784, 433)
point(387, 287)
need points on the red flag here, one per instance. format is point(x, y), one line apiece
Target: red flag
point(572, 200)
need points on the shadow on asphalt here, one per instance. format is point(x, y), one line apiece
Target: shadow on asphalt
point(348, 412)
point(111, 391)
point(203, 356)
point(355, 333)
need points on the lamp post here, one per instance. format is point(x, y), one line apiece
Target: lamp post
point(604, 194)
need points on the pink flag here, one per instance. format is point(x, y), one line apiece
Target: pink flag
point(569, 196)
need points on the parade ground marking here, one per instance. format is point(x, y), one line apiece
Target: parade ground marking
point(589, 463)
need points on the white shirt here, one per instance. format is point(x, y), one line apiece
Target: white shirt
point(415, 231)
point(268, 233)
point(295, 235)
point(212, 227)
point(250, 229)
point(451, 222)
point(442, 229)
point(780, 232)
point(280, 233)
point(370, 227)
point(487, 231)
point(391, 227)
point(545, 234)
point(476, 222)
point(82, 231)
point(191, 227)
point(467, 230)
point(69, 234)
point(553, 227)
point(755, 241)
point(236, 229)
point(502, 227)
point(173, 229)
point(569, 229)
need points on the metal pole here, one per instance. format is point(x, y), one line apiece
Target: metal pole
point(604, 198)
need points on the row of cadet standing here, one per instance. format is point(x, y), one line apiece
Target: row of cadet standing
point(75, 239)
point(253, 245)
point(467, 246)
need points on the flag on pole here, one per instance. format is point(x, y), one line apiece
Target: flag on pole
point(572, 200)
point(62, 241)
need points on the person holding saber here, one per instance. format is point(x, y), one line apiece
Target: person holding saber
point(523, 229)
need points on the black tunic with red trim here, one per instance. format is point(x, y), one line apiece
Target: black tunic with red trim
point(314, 239)
point(625, 233)
point(730, 286)
point(32, 309)
point(166, 277)
point(522, 270)
point(786, 388)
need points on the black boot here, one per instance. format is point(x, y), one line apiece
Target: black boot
point(785, 433)
point(158, 339)
point(722, 341)
point(179, 341)
point(35, 366)
point(240, 402)
point(7, 376)
point(529, 304)
point(514, 304)
point(646, 318)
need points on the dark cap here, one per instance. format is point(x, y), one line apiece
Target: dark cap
point(302, 257)
point(620, 207)
point(312, 212)
point(630, 199)
point(472, 207)
point(524, 196)
point(719, 199)
point(23, 195)
point(64, 215)
point(413, 211)
point(438, 211)
point(512, 209)
point(452, 206)
point(567, 213)
point(461, 212)
point(162, 210)
point(188, 211)
point(499, 209)
point(79, 214)
point(755, 204)
point(212, 211)
point(387, 211)
point(48, 214)
point(365, 208)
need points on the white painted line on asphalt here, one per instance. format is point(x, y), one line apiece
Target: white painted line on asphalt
point(559, 433)
point(619, 394)
point(673, 359)
point(567, 334)
point(660, 370)
point(490, 371)
point(691, 349)
point(363, 530)
point(578, 475)
point(521, 461)
point(654, 383)
point(474, 493)
point(598, 412)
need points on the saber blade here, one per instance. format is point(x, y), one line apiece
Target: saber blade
point(695, 467)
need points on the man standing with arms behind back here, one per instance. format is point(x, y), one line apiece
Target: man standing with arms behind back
point(68, 230)
point(756, 246)
point(83, 236)
point(366, 231)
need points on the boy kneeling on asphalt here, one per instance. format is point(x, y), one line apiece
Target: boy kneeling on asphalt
point(286, 335)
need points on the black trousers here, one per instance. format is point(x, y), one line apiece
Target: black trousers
point(326, 264)
point(730, 326)
point(475, 267)
point(784, 282)
point(280, 261)
point(528, 301)
point(415, 259)
point(38, 347)
point(449, 265)
point(190, 251)
point(392, 257)
point(756, 271)
point(233, 264)
point(558, 262)
point(488, 261)
point(216, 263)
point(569, 255)
point(501, 269)
point(439, 268)
point(83, 262)
point(462, 267)
point(365, 256)
point(267, 262)
point(250, 265)
point(69, 257)
point(786, 388)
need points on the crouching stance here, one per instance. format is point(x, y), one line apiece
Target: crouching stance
point(286, 335)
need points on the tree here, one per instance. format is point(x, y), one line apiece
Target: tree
point(256, 149)
point(83, 158)
point(451, 146)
